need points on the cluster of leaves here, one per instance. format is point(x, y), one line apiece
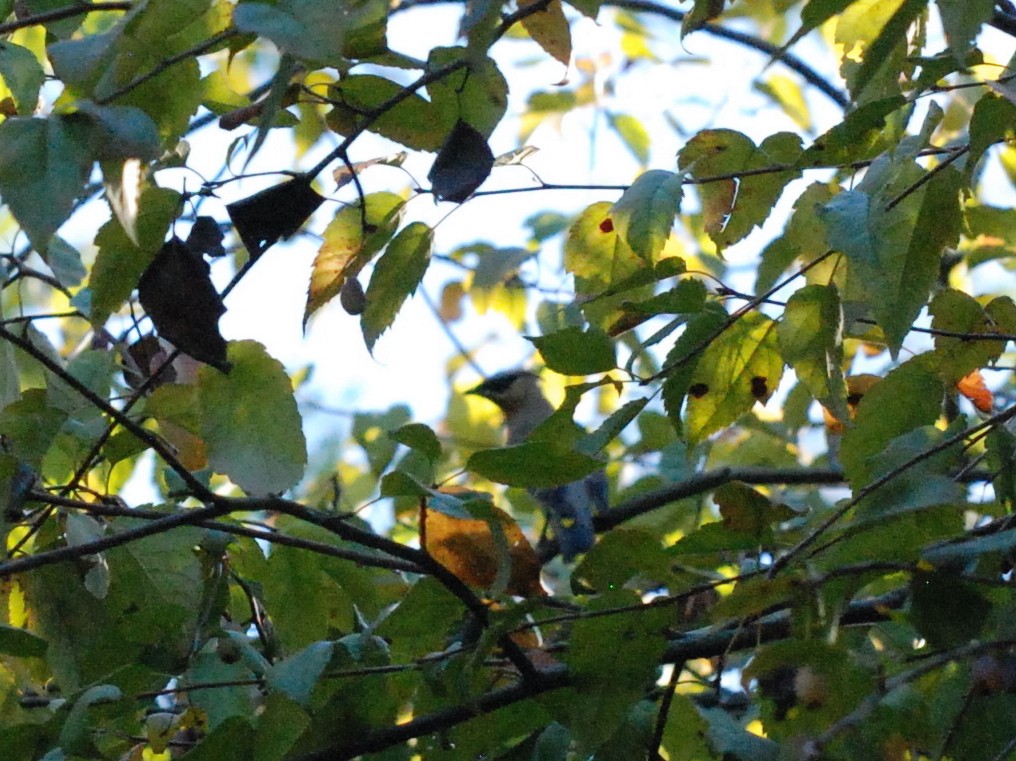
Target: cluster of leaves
point(246, 614)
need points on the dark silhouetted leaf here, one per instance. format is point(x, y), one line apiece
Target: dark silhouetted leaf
point(205, 237)
point(177, 293)
point(462, 165)
point(278, 212)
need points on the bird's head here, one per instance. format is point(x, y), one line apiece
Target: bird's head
point(512, 390)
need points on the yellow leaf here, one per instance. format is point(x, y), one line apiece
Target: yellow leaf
point(549, 29)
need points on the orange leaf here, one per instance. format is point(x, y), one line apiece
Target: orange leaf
point(467, 547)
point(857, 387)
point(973, 388)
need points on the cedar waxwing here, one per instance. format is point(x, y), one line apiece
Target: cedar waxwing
point(570, 507)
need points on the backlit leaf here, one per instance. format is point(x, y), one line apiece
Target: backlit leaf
point(397, 274)
point(253, 403)
point(348, 247)
point(644, 215)
point(550, 29)
point(740, 367)
point(733, 207)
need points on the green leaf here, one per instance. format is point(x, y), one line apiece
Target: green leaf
point(250, 423)
point(644, 215)
point(908, 397)
point(811, 340)
point(306, 29)
point(947, 610)
point(57, 149)
point(740, 367)
point(348, 247)
point(413, 122)
point(633, 134)
point(397, 275)
point(993, 121)
point(298, 675)
point(121, 262)
point(878, 52)
point(532, 465)
point(574, 351)
point(610, 659)
point(23, 76)
point(733, 207)
point(419, 437)
point(30, 425)
point(894, 250)
point(477, 93)
point(955, 312)
point(685, 355)
point(21, 643)
point(122, 132)
point(962, 21)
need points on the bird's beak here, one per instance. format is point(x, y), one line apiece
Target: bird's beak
point(477, 391)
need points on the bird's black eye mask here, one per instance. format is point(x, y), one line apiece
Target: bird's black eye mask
point(498, 383)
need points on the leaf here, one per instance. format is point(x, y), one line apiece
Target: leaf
point(298, 675)
point(811, 341)
point(177, 293)
point(343, 176)
point(476, 93)
point(205, 237)
point(894, 252)
point(348, 247)
point(962, 21)
point(685, 355)
point(973, 387)
point(892, 34)
point(397, 274)
point(596, 253)
point(550, 30)
point(947, 610)
point(250, 422)
point(310, 31)
point(22, 75)
point(21, 643)
point(574, 351)
point(482, 551)
point(992, 122)
point(418, 437)
point(462, 165)
point(532, 465)
point(122, 132)
point(644, 214)
point(123, 183)
point(734, 207)
point(740, 367)
point(57, 148)
point(953, 311)
point(412, 122)
point(277, 212)
point(610, 659)
point(908, 397)
point(121, 261)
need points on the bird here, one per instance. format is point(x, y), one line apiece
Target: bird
point(569, 508)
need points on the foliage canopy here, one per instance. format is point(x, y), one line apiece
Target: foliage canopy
point(795, 331)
